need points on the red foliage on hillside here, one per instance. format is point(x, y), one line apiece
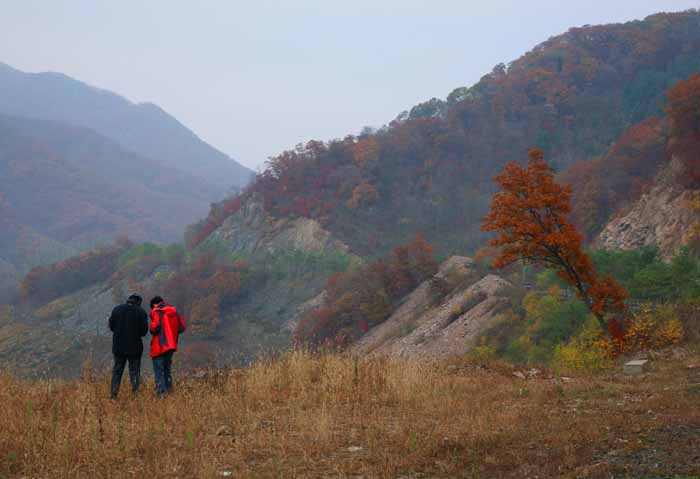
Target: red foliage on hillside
point(683, 107)
point(45, 283)
point(430, 170)
point(217, 215)
point(357, 300)
point(683, 110)
point(604, 185)
point(202, 290)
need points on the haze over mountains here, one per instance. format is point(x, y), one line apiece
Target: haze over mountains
point(323, 208)
point(81, 166)
point(143, 128)
point(431, 170)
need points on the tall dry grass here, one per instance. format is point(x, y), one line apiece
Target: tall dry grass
point(333, 416)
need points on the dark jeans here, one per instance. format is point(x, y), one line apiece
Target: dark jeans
point(162, 370)
point(118, 369)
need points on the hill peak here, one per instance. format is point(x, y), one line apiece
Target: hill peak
point(143, 128)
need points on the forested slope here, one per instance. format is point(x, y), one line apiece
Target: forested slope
point(346, 214)
point(430, 170)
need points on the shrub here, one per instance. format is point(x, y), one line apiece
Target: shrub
point(483, 353)
point(588, 351)
point(652, 329)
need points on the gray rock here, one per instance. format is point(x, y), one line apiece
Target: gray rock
point(638, 366)
point(419, 329)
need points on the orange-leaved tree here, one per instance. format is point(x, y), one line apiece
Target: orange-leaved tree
point(683, 111)
point(683, 107)
point(530, 218)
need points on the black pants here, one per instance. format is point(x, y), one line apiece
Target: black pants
point(118, 369)
point(162, 370)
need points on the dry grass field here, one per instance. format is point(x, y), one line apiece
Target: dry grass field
point(330, 416)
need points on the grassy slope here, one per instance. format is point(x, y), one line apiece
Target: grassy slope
point(304, 417)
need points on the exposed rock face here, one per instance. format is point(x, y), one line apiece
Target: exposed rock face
point(419, 329)
point(251, 231)
point(292, 254)
point(663, 216)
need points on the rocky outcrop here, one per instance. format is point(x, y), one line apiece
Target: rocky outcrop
point(452, 327)
point(252, 232)
point(293, 258)
point(664, 216)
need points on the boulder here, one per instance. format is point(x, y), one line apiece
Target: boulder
point(638, 366)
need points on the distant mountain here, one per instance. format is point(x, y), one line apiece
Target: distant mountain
point(144, 129)
point(80, 166)
point(79, 188)
point(66, 188)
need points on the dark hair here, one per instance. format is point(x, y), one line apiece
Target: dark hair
point(156, 300)
point(135, 299)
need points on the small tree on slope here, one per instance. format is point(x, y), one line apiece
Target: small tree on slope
point(529, 215)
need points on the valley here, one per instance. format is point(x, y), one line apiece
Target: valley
point(263, 259)
point(452, 294)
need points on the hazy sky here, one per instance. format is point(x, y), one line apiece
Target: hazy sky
point(254, 78)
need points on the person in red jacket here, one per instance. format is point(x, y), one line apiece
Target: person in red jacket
point(166, 326)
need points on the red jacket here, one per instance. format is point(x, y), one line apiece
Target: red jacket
point(166, 325)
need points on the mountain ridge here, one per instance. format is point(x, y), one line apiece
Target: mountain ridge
point(145, 128)
point(572, 96)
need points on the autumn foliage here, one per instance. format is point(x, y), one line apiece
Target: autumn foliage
point(529, 215)
point(218, 213)
point(358, 300)
point(607, 184)
point(604, 185)
point(683, 107)
point(683, 111)
point(46, 283)
point(572, 96)
point(202, 290)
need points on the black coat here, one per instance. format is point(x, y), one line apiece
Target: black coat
point(129, 323)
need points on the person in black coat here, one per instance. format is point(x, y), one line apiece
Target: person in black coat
point(129, 323)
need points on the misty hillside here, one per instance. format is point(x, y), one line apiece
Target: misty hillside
point(144, 128)
point(80, 188)
point(500, 283)
point(344, 214)
point(66, 188)
point(81, 166)
point(430, 170)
